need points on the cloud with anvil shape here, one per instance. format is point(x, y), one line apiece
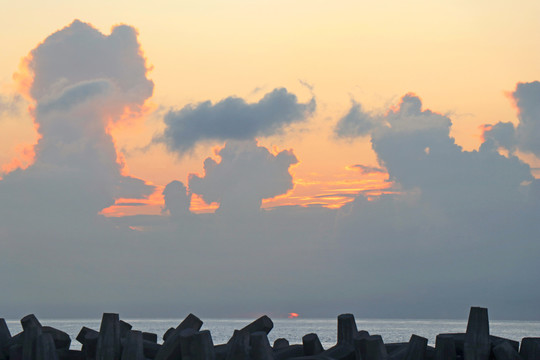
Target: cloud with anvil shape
point(232, 119)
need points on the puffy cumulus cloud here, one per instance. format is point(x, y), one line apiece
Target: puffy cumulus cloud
point(81, 82)
point(246, 174)
point(527, 97)
point(525, 135)
point(355, 123)
point(457, 214)
point(502, 134)
point(80, 53)
point(177, 199)
point(416, 148)
point(232, 119)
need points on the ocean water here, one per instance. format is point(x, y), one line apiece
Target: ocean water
point(294, 329)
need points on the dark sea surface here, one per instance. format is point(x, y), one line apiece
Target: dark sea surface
point(294, 329)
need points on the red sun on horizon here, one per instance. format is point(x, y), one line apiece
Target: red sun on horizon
point(293, 315)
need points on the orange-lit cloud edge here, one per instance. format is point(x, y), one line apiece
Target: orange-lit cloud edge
point(324, 192)
point(328, 191)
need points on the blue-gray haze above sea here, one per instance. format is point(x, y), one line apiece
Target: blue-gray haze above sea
point(293, 329)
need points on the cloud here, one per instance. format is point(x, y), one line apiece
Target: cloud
point(524, 136)
point(460, 228)
point(82, 82)
point(232, 119)
point(246, 174)
point(456, 213)
point(502, 134)
point(369, 169)
point(10, 105)
point(79, 53)
point(355, 123)
point(527, 98)
point(416, 148)
point(177, 199)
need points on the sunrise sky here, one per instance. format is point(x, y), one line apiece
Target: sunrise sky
point(384, 120)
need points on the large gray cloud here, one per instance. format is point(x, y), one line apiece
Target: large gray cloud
point(82, 81)
point(233, 119)
point(527, 97)
point(458, 214)
point(525, 135)
point(246, 174)
point(415, 147)
point(460, 229)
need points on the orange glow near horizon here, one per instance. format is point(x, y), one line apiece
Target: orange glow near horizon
point(332, 194)
point(153, 205)
point(293, 315)
point(199, 206)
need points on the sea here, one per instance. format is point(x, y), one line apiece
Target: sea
point(293, 330)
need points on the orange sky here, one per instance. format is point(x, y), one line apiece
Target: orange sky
point(460, 58)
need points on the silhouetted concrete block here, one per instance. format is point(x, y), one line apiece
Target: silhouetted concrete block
point(220, 351)
point(346, 329)
point(150, 349)
point(5, 335)
point(396, 347)
point(280, 343)
point(149, 337)
point(417, 348)
point(133, 346)
point(260, 346)
point(362, 334)
point(125, 328)
point(45, 349)
point(445, 348)
point(197, 346)
point(30, 335)
point(70, 355)
point(30, 321)
point(312, 344)
point(90, 341)
point(370, 348)
point(459, 341)
point(342, 351)
point(81, 337)
point(289, 352)
point(172, 347)
point(264, 324)
point(15, 352)
point(168, 333)
point(530, 348)
point(238, 346)
point(61, 339)
point(477, 343)
point(505, 351)
point(430, 353)
point(108, 344)
point(495, 340)
point(190, 322)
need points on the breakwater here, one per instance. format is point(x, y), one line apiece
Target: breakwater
point(245, 344)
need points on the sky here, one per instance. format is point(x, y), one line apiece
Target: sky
point(240, 158)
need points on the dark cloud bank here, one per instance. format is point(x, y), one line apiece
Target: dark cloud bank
point(462, 230)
